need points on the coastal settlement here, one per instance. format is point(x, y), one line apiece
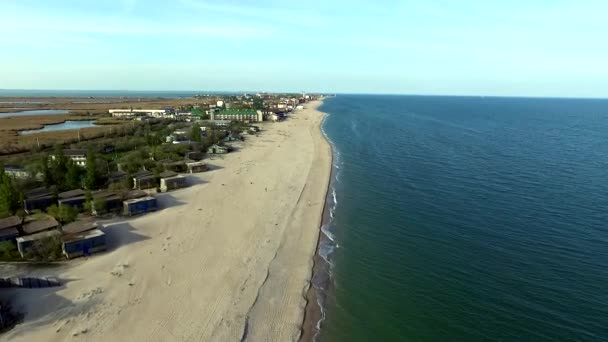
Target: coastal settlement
point(54, 198)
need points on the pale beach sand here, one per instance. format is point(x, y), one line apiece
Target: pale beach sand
point(225, 260)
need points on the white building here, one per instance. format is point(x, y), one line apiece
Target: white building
point(220, 103)
point(79, 157)
point(131, 113)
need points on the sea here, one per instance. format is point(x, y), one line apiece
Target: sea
point(465, 219)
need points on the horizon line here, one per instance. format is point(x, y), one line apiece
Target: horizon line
point(305, 92)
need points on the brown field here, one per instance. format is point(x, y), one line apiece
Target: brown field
point(11, 142)
point(94, 109)
point(95, 105)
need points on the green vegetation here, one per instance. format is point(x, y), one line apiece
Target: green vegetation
point(49, 249)
point(64, 214)
point(8, 251)
point(9, 195)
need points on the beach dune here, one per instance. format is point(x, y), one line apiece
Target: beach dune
point(228, 259)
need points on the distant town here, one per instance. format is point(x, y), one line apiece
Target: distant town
point(56, 186)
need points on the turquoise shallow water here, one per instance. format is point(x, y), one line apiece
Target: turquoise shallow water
point(467, 219)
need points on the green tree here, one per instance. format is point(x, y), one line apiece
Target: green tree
point(59, 167)
point(8, 251)
point(9, 195)
point(64, 214)
point(73, 177)
point(196, 133)
point(92, 177)
point(48, 249)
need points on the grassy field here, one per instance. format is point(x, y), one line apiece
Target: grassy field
point(80, 109)
point(11, 142)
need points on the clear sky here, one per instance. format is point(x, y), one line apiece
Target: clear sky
point(465, 47)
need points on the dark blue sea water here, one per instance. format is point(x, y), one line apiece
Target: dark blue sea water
point(468, 219)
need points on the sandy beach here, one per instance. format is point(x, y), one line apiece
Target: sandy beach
point(227, 259)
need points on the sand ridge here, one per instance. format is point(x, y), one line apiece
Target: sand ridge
point(228, 259)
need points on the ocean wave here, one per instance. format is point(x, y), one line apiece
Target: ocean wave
point(326, 249)
point(329, 234)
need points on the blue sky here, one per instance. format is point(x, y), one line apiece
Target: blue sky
point(467, 47)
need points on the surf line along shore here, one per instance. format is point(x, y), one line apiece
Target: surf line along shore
point(228, 259)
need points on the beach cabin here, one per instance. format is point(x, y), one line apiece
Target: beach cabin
point(24, 243)
point(178, 166)
point(196, 166)
point(116, 177)
point(217, 149)
point(84, 243)
point(173, 183)
point(73, 198)
point(139, 206)
point(133, 194)
point(36, 225)
point(144, 180)
point(38, 199)
point(9, 228)
point(75, 202)
point(105, 201)
point(193, 155)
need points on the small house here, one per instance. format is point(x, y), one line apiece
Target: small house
point(217, 149)
point(38, 199)
point(173, 183)
point(24, 243)
point(196, 166)
point(84, 243)
point(16, 172)
point(192, 155)
point(75, 202)
point(9, 228)
point(105, 202)
point(116, 177)
point(134, 194)
point(144, 180)
point(79, 157)
point(71, 194)
point(36, 225)
point(178, 166)
point(139, 206)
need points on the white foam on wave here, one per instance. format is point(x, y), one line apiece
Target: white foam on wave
point(330, 235)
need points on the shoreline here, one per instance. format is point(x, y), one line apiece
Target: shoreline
point(313, 314)
point(229, 258)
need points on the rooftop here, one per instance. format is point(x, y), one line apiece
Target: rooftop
point(167, 174)
point(9, 232)
point(71, 193)
point(72, 153)
point(79, 227)
point(142, 174)
point(38, 236)
point(83, 235)
point(38, 192)
point(10, 222)
point(238, 112)
point(35, 226)
point(142, 199)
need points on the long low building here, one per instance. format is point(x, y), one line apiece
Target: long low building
point(84, 243)
point(130, 113)
point(244, 115)
point(140, 206)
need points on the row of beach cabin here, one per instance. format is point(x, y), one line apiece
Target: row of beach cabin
point(78, 238)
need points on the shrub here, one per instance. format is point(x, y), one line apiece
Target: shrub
point(48, 249)
point(8, 251)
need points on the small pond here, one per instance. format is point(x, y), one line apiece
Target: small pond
point(66, 126)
